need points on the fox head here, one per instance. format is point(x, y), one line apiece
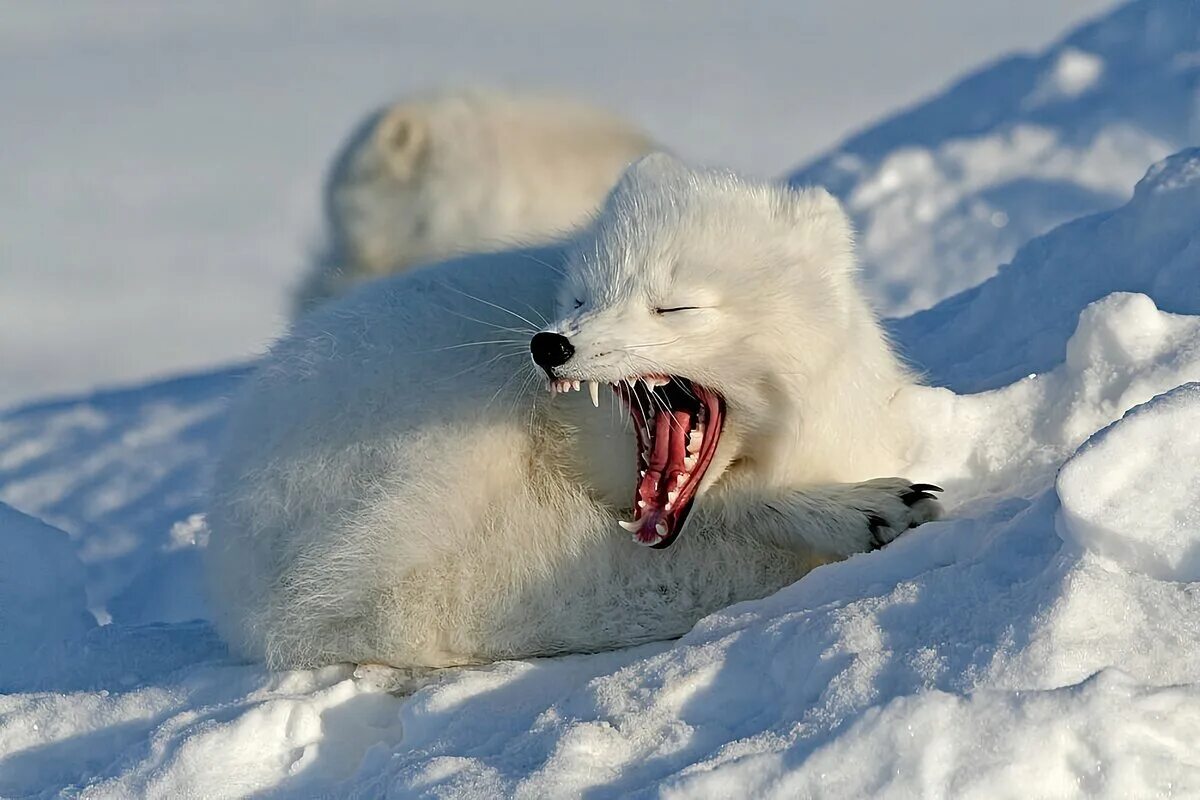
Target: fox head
point(742, 290)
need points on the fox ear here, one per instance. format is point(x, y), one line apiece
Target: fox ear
point(402, 137)
point(820, 216)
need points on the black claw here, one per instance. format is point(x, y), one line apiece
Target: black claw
point(926, 487)
point(911, 498)
point(874, 523)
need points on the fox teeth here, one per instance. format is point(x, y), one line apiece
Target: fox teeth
point(632, 527)
point(575, 385)
point(689, 463)
point(594, 391)
point(661, 529)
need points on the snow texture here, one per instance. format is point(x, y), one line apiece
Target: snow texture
point(124, 473)
point(1018, 322)
point(946, 191)
point(1033, 639)
point(1043, 640)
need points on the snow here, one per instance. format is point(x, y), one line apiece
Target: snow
point(41, 596)
point(1032, 639)
point(1043, 639)
point(948, 190)
point(122, 472)
point(1132, 493)
point(161, 168)
point(1019, 321)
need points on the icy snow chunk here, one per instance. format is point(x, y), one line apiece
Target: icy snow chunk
point(42, 603)
point(1132, 492)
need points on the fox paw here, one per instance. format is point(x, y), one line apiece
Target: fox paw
point(892, 506)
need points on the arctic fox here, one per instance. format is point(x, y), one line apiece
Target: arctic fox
point(464, 171)
point(399, 487)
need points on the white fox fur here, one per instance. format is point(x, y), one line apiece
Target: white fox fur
point(398, 487)
point(463, 171)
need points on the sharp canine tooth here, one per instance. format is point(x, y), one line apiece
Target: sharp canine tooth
point(632, 527)
point(594, 391)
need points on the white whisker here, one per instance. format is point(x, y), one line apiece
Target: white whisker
point(522, 331)
point(650, 344)
point(520, 342)
point(545, 264)
point(470, 296)
point(491, 360)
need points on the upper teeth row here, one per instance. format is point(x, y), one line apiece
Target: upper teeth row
point(562, 385)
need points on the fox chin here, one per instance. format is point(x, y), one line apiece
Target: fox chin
point(566, 450)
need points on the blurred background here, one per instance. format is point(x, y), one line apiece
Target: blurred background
point(161, 163)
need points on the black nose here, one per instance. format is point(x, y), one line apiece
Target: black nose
point(550, 350)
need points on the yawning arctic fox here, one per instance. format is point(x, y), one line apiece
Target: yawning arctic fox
point(399, 487)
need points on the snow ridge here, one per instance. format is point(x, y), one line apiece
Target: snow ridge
point(946, 191)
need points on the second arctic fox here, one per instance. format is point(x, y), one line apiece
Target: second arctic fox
point(464, 171)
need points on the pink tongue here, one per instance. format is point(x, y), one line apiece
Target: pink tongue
point(666, 460)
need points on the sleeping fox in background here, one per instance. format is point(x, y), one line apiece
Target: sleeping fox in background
point(459, 172)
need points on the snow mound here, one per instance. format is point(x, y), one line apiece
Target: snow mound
point(1019, 321)
point(1124, 352)
point(1132, 492)
point(946, 191)
point(117, 470)
point(42, 603)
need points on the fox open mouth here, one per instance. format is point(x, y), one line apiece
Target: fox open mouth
point(678, 424)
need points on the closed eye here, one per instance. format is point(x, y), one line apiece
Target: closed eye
point(676, 308)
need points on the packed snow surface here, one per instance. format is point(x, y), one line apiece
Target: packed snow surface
point(948, 190)
point(1043, 639)
point(1047, 634)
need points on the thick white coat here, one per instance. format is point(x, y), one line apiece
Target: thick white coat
point(463, 171)
point(398, 486)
